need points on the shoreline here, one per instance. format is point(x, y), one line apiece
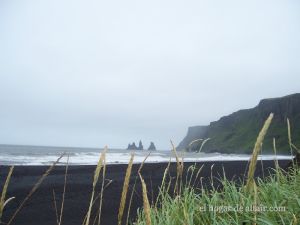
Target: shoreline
point(40, 207)
point(113, 158)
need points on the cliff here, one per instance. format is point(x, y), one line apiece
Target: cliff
point(237, 132)
point(193, 133)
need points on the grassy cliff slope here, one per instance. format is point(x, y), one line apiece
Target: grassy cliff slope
point(236, 133)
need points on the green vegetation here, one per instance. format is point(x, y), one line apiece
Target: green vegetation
point(236, 133)
point(276, 200)
point(272, 200)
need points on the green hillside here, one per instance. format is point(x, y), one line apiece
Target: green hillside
point(236, 133)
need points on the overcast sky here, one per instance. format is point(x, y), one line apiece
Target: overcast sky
point(90, 73)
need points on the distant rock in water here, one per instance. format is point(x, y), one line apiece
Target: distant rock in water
point(152, 147)
point(141, 147)
point(132, 146)
point(237, 132)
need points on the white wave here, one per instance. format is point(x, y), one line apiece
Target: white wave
point(122, 157)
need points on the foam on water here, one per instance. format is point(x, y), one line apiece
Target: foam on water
point(47, 155)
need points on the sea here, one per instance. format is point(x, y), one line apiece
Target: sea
point(44, 155)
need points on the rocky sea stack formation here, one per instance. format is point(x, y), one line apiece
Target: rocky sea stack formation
point(152, 147)
point(140, 147)
point(132, 146)
point(237, 133)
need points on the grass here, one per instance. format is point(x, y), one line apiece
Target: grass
point(125, 190)
point(274, 199)
point(271, 200)
point(256, 151)
point(33, 190)
point(232, 205)
point(96, 178)
point(4, 202)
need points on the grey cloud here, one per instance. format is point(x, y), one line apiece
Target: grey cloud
point(89, 73)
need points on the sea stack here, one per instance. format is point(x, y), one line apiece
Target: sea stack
point(132, 146)
point(141, 147)
point(152, 147)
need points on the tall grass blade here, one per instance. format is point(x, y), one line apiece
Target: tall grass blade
point(64, 192)
point(179, 171)
point(290, 142)
point(133, 188)
point(146, 202)
point(33, 190)
point(275, 154)
point(256, 150)
point(125, 190)
point(162, 186)
point(96, 177)
point(197, 175)
point(102, 190)
point(202, 145)
point(55, 206)
point(7, 201)
point(289, 135)
point(192, 142)
point(4, 190)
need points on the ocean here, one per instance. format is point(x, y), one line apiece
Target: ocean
point(43, 155)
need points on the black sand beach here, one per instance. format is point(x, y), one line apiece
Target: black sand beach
point(39, 210)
